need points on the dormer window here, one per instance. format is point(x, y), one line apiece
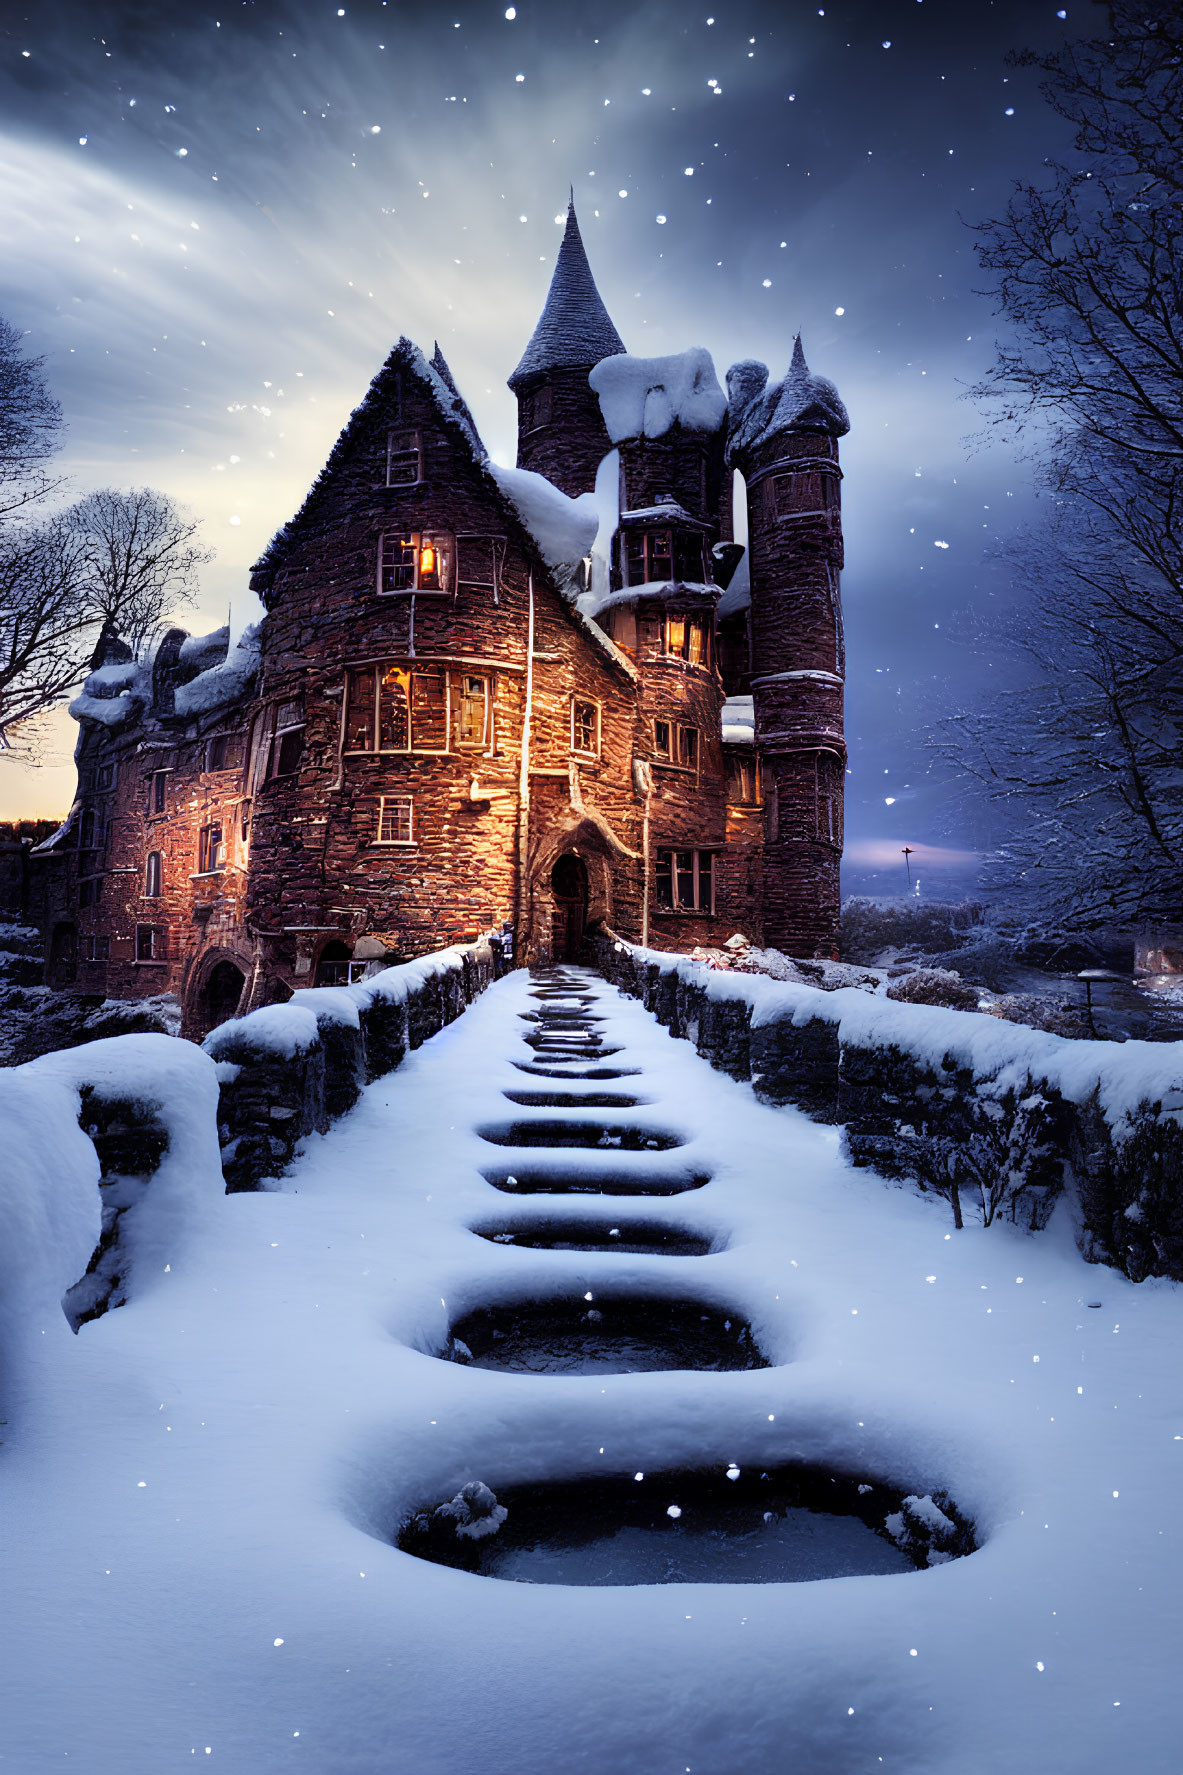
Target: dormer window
point(404, 458)
point(413, 563)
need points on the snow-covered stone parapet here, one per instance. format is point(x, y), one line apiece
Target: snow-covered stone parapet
point(288, 1070)
point(1001, 1120)
point(644, 397)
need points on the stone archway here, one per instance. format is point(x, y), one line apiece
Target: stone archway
point(569, 884)
point(218, 997)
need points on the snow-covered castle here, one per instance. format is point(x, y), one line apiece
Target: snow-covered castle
point(542, 699)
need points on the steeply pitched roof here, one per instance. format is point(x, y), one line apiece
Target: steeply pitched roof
point(801, 401)
point(453, 410)
point(574, 329)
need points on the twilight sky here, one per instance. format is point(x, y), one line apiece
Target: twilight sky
point(215, 223)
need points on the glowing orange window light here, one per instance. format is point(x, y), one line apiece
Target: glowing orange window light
point(427, 558)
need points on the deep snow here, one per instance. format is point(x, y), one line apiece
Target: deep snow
point(197, 1489)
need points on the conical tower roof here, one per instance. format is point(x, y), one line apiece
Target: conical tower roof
point(573, 329)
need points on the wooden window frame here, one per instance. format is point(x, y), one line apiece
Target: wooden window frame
point(99, 947)
point(404, 444)
point(666, 859)
point(678, 733)
point(417, 541)
point(401, 802)
point(456, 698)
point(153, 938)
point(211, 852)
point(595, 750)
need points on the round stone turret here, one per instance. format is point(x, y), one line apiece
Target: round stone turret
point(784, 440)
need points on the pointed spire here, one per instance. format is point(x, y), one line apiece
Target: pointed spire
point(798, 367)
point(574, 329)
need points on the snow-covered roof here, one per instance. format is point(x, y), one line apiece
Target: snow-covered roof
point(801, 401)
point(668, 509)
point(574, 328)
point(687, 592)
point(739, 721)
point(642, 397)
point(112, 694)
point(738, 595)
point(563, 528)
point(230, 677)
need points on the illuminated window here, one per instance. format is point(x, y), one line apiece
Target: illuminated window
point(470, 707)
point(153, 876)
point(413, 563)
point(585, 727)
point(685, 881)
point(404, 459)
point(396, 819)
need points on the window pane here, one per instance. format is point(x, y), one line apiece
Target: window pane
point(688, 557)
point(396, 563)
point(704, 881)
point(429, 710)
point(403, 460)
point(394, 819)
point(431, 565)
point(359, 725)
point(469, 695)
point(393, 710)
point(288, 749)
point(583, 727)
point(688, 746)
point(661, 738)
point(659, 555)
point(159, 784)
point(696, 641)
point(650, 629)
point(675, 639)
point(685, 872)
point(635, 546)
point(665, 889)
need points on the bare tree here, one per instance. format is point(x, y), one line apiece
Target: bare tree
point(1085, 750)
point(30, 423)
point(116, 560)
point(140, 556)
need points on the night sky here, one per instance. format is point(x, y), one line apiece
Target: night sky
point(216, 223)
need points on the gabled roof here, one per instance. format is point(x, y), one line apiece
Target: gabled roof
point(574, 330)
point(453, 411)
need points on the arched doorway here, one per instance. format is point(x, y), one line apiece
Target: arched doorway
point(219, 998)
point(568, 880)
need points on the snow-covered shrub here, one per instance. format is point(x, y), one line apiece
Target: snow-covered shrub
point(930, 1530)
point(1038, 1013)
point(934, 986)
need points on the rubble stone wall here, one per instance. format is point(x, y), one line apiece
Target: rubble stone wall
point(1001, 1122)
point(288, 1071)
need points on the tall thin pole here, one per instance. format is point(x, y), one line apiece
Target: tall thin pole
point(907, 854)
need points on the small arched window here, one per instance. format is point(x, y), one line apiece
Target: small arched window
point(153, 876)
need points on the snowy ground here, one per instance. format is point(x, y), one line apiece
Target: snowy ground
point(197, 1488)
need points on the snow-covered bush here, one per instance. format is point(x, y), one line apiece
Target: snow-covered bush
point(934, 986)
